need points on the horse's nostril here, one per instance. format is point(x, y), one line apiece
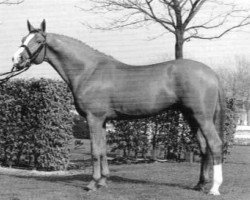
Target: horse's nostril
point(12, 59)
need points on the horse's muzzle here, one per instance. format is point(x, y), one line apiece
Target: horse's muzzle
point(19, 67)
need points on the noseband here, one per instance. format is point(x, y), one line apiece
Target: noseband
point(33, 56)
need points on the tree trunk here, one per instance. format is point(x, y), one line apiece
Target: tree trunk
point(124, 153)
point(248, 117)
point(179, 44)
point(247, 106)
point(154, 153)
point(189, 156)
point(136, 154)
point(154, 143)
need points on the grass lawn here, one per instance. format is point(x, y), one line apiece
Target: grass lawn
point(171, 181)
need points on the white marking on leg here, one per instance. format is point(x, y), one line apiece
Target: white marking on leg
point(17, 55)
point(217, 179)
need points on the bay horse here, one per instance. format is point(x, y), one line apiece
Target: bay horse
point(105, 88)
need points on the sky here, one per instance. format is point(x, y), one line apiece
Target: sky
point(130, 46)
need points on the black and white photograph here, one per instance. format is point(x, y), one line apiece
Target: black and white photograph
point(125, 100)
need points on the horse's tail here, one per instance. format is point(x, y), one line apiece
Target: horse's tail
point(219, 116)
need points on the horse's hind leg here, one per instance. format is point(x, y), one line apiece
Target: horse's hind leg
point(205, 155)
point(98, 151)
point(215, 146)
point(205, 162)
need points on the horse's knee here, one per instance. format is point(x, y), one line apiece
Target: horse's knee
point(202, 143)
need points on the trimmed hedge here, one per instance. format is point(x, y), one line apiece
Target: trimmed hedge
point(165, 136)
point(35, 124)
point(230, 123)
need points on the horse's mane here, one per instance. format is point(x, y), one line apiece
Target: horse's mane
point(85, 46)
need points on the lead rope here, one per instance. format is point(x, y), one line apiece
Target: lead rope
point(14, 72)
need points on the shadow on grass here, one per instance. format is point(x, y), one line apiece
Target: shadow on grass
point(237, 163)
point(82, 181)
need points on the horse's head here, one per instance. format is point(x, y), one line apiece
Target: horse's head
point(32, 49)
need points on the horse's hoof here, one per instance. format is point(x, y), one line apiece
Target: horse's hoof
point(92, 186)
point(214, 193)
point(199, 187)
point(102, 182)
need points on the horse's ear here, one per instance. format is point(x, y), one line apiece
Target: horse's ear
point(43, 25)
point(30, 27)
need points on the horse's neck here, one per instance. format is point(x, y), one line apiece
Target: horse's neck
point(68, 57)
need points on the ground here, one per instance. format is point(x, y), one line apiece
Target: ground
point(155, 181)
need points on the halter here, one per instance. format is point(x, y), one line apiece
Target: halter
point(33, 56)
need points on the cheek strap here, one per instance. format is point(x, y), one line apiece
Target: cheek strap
point(27, 50)
point(32, 56)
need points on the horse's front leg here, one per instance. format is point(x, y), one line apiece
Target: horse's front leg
point(98, 151)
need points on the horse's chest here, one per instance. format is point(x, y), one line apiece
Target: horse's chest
point(93, 99)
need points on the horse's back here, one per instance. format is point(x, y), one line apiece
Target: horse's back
point(176, 73)
point(181, 66)
point(151, 88)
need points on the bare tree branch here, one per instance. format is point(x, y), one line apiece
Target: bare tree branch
point(10, 2)
point(179, 17)
point(195, 7)
point(143, 9)
point(244, 22)
point(171, 15)
point(166, 23)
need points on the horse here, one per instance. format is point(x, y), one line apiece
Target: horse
point(104, 88)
